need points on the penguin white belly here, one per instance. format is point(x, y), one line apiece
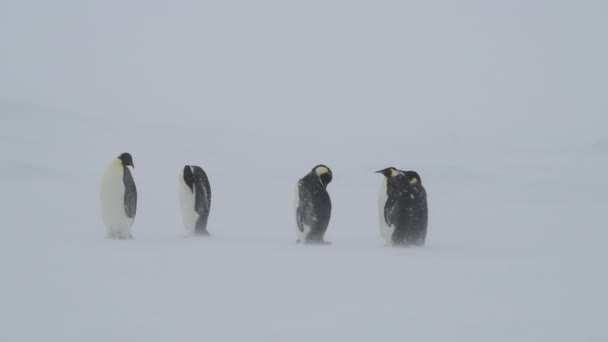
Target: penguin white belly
point(186, 201)
point(113, 214)
point(386, 231)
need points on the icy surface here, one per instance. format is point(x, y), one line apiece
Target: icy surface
point(501, 107)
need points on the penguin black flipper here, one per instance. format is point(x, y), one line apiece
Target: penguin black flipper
point(395, 217)
point(305, 211)
point(200, 177)
point(202, 199)
point(396, 213)
point(395, 187)
point(301, 209)
point(400, 218)
point(389, 210)
point(130, 193)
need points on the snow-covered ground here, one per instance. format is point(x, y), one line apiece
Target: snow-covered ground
point(501, 107)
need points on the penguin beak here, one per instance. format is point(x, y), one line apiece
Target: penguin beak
point(379, 171)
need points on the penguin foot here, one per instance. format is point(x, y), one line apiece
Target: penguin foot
point(117, 236)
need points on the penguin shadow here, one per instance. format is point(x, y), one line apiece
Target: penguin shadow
point(205, 235)
point(403, 245)
point(119, 237)
point(314, 243)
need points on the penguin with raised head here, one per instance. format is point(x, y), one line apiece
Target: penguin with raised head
point(118, 197)
point(313, 205)
point(403, 208)
point(195, 199)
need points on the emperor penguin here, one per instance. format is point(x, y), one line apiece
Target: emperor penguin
point(118, 197)
point(403, 208)
point(195, 199)
point(313, 205)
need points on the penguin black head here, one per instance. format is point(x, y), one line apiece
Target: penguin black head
point(188, 177)
point(412, 177)
point(324, 174)
point(389, 172)
point(126, 159)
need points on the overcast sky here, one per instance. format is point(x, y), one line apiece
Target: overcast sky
point(369, 68)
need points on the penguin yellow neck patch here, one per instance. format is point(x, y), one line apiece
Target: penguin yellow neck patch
point(394, 173)
point(321, 170)
point(116, 163)
point(414, 180)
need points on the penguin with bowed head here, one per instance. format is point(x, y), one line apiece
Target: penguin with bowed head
point(195, 199)
point(313, 205)
point(403, 208)
point(118, 197)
